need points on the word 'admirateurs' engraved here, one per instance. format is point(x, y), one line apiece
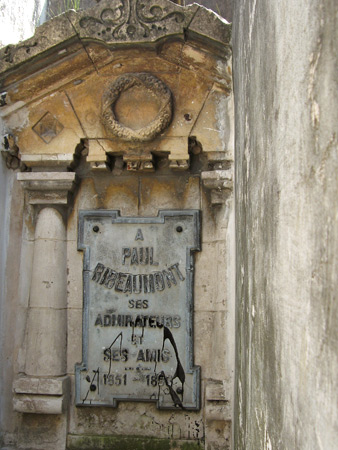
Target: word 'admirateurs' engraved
point(121, 320)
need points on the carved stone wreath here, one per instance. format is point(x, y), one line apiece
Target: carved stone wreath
point(155, 127)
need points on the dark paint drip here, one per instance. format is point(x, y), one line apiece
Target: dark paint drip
point(155, 367)
point(174, 396)
point(109, 348)
point(179, 372)
point(92, 386)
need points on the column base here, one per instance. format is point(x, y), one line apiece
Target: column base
point(41, 395)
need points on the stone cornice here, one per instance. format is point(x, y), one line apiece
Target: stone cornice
point(116, 24)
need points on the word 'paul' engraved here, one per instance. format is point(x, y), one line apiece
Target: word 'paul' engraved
point(128, 283)
point(138, 255)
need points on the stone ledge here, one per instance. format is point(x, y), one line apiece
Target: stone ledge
point(215, 392)
point(41, 395)
point(217, 405)
point(218, 411)
point(41, 386)
point(218, 179)
point(62, 160)
point(220, 183)
point(39, 404)
point(47, 180)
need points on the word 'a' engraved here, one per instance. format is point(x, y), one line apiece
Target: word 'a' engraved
point(128, 283)
point(139, 235)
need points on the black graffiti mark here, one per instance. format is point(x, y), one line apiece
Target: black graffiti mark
point(179, 372)
point(120, 335)
point(174, 396)
point(92, 386)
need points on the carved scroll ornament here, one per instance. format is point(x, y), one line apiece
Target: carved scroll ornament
point(132, 19)
point(143, 81)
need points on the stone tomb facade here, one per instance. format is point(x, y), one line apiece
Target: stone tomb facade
point(120, 129)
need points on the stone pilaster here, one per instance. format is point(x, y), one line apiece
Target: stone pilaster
point(44, 387)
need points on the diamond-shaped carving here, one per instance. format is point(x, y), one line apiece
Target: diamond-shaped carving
point(48, 127)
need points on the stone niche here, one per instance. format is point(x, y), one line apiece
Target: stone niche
point(119, 125)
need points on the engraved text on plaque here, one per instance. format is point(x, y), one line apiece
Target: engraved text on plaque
point(138, 306)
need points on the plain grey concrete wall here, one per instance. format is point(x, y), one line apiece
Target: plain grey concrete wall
point(286, 96)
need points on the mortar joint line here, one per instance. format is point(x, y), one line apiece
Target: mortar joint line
point(74, 111)
point(83, 46)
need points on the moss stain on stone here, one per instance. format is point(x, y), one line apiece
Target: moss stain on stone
point(127, 443)
point(191, 446)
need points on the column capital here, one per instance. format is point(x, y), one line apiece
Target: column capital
point(48, 188)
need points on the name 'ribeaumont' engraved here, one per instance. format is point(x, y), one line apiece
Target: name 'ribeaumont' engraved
point(136, 284)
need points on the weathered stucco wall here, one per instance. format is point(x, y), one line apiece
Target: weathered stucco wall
point(286, 91)
point(17, 22)
point(6, 181)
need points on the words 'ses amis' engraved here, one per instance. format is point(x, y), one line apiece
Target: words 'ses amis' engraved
point(138, 303)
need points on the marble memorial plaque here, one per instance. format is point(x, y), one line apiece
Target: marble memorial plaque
point(138, 309)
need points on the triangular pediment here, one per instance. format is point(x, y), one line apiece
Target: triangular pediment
point(115, 23)
point(127, 78)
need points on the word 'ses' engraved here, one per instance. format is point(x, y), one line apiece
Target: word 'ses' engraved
point(135, 284)
point(111, 354)
point(121, 320)
point(138, 304)
point(138, 255)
